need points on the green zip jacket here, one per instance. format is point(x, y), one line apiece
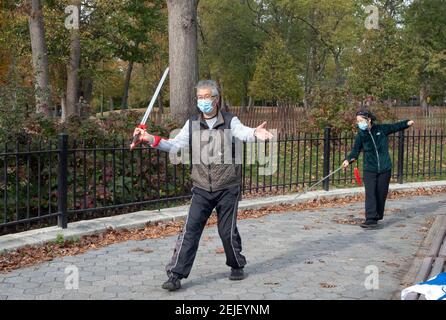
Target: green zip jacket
point(375, 145)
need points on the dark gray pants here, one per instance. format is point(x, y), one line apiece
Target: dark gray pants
point(376, 189)
point(203, 203)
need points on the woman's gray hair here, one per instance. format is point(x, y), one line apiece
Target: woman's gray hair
point(208, 84)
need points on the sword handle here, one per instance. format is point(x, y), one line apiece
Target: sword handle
point(137, 136)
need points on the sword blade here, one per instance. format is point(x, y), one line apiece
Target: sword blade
point(150, 107)
point(317, 183)
point(155, 95)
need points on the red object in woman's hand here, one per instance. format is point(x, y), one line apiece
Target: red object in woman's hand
point(357, 176)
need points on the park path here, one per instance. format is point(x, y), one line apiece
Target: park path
point(292, 255)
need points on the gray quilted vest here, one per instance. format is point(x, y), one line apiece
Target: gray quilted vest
point(213, 165)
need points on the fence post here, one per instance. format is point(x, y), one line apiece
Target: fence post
point(62, 219)
point(400, 156)
point(326, 169)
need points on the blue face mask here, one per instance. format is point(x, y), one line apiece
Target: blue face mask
point(205, 105)
point(363, 125)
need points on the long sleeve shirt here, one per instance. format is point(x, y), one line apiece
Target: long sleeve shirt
point(374, 144)
point(181, 140)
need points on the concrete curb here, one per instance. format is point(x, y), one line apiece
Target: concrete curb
point(141, 218)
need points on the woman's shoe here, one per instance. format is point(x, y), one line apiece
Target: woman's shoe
point(369, 224)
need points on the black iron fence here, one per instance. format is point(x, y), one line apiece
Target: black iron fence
point(49, 182)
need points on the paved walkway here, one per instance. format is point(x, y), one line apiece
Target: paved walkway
point(293, 255)
point(140, 218)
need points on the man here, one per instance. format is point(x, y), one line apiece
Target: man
point(216, 183)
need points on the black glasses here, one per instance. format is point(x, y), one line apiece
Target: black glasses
point(206, 97)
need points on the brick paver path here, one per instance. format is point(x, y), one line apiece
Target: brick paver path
point(292, 255)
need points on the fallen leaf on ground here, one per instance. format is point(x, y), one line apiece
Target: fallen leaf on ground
point(392, 264)
point(327, 285)
point(32, 255)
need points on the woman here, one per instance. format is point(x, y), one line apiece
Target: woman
point(372, 138)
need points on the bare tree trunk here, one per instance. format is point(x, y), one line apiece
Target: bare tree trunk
point(72, 70)
point(183, 57)
point(223, 105)
point(111, 104)
point(128, 76)
point(63, 106)
point(245, 96)
point(244, 106)
point(160, 104)
point(423, 99)
point(160, 109)
point(250, 103)
point(308, 78)
point(339, 71)
point(40, 58)
point(87, 89)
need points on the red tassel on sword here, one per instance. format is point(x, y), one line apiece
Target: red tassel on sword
point(357, 176)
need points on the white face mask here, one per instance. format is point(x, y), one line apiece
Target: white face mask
point(205, 105)
point(363, 125)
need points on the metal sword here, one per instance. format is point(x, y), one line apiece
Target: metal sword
point(142, 124)
point(317, 183)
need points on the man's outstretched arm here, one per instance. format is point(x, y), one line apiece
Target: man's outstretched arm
point(181, 140)
point(244, 133)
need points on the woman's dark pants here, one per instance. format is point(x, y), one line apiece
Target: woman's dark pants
point(376, 189)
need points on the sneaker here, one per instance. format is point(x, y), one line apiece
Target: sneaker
point(172, 284)
point(237, 274)
point(369, 224)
